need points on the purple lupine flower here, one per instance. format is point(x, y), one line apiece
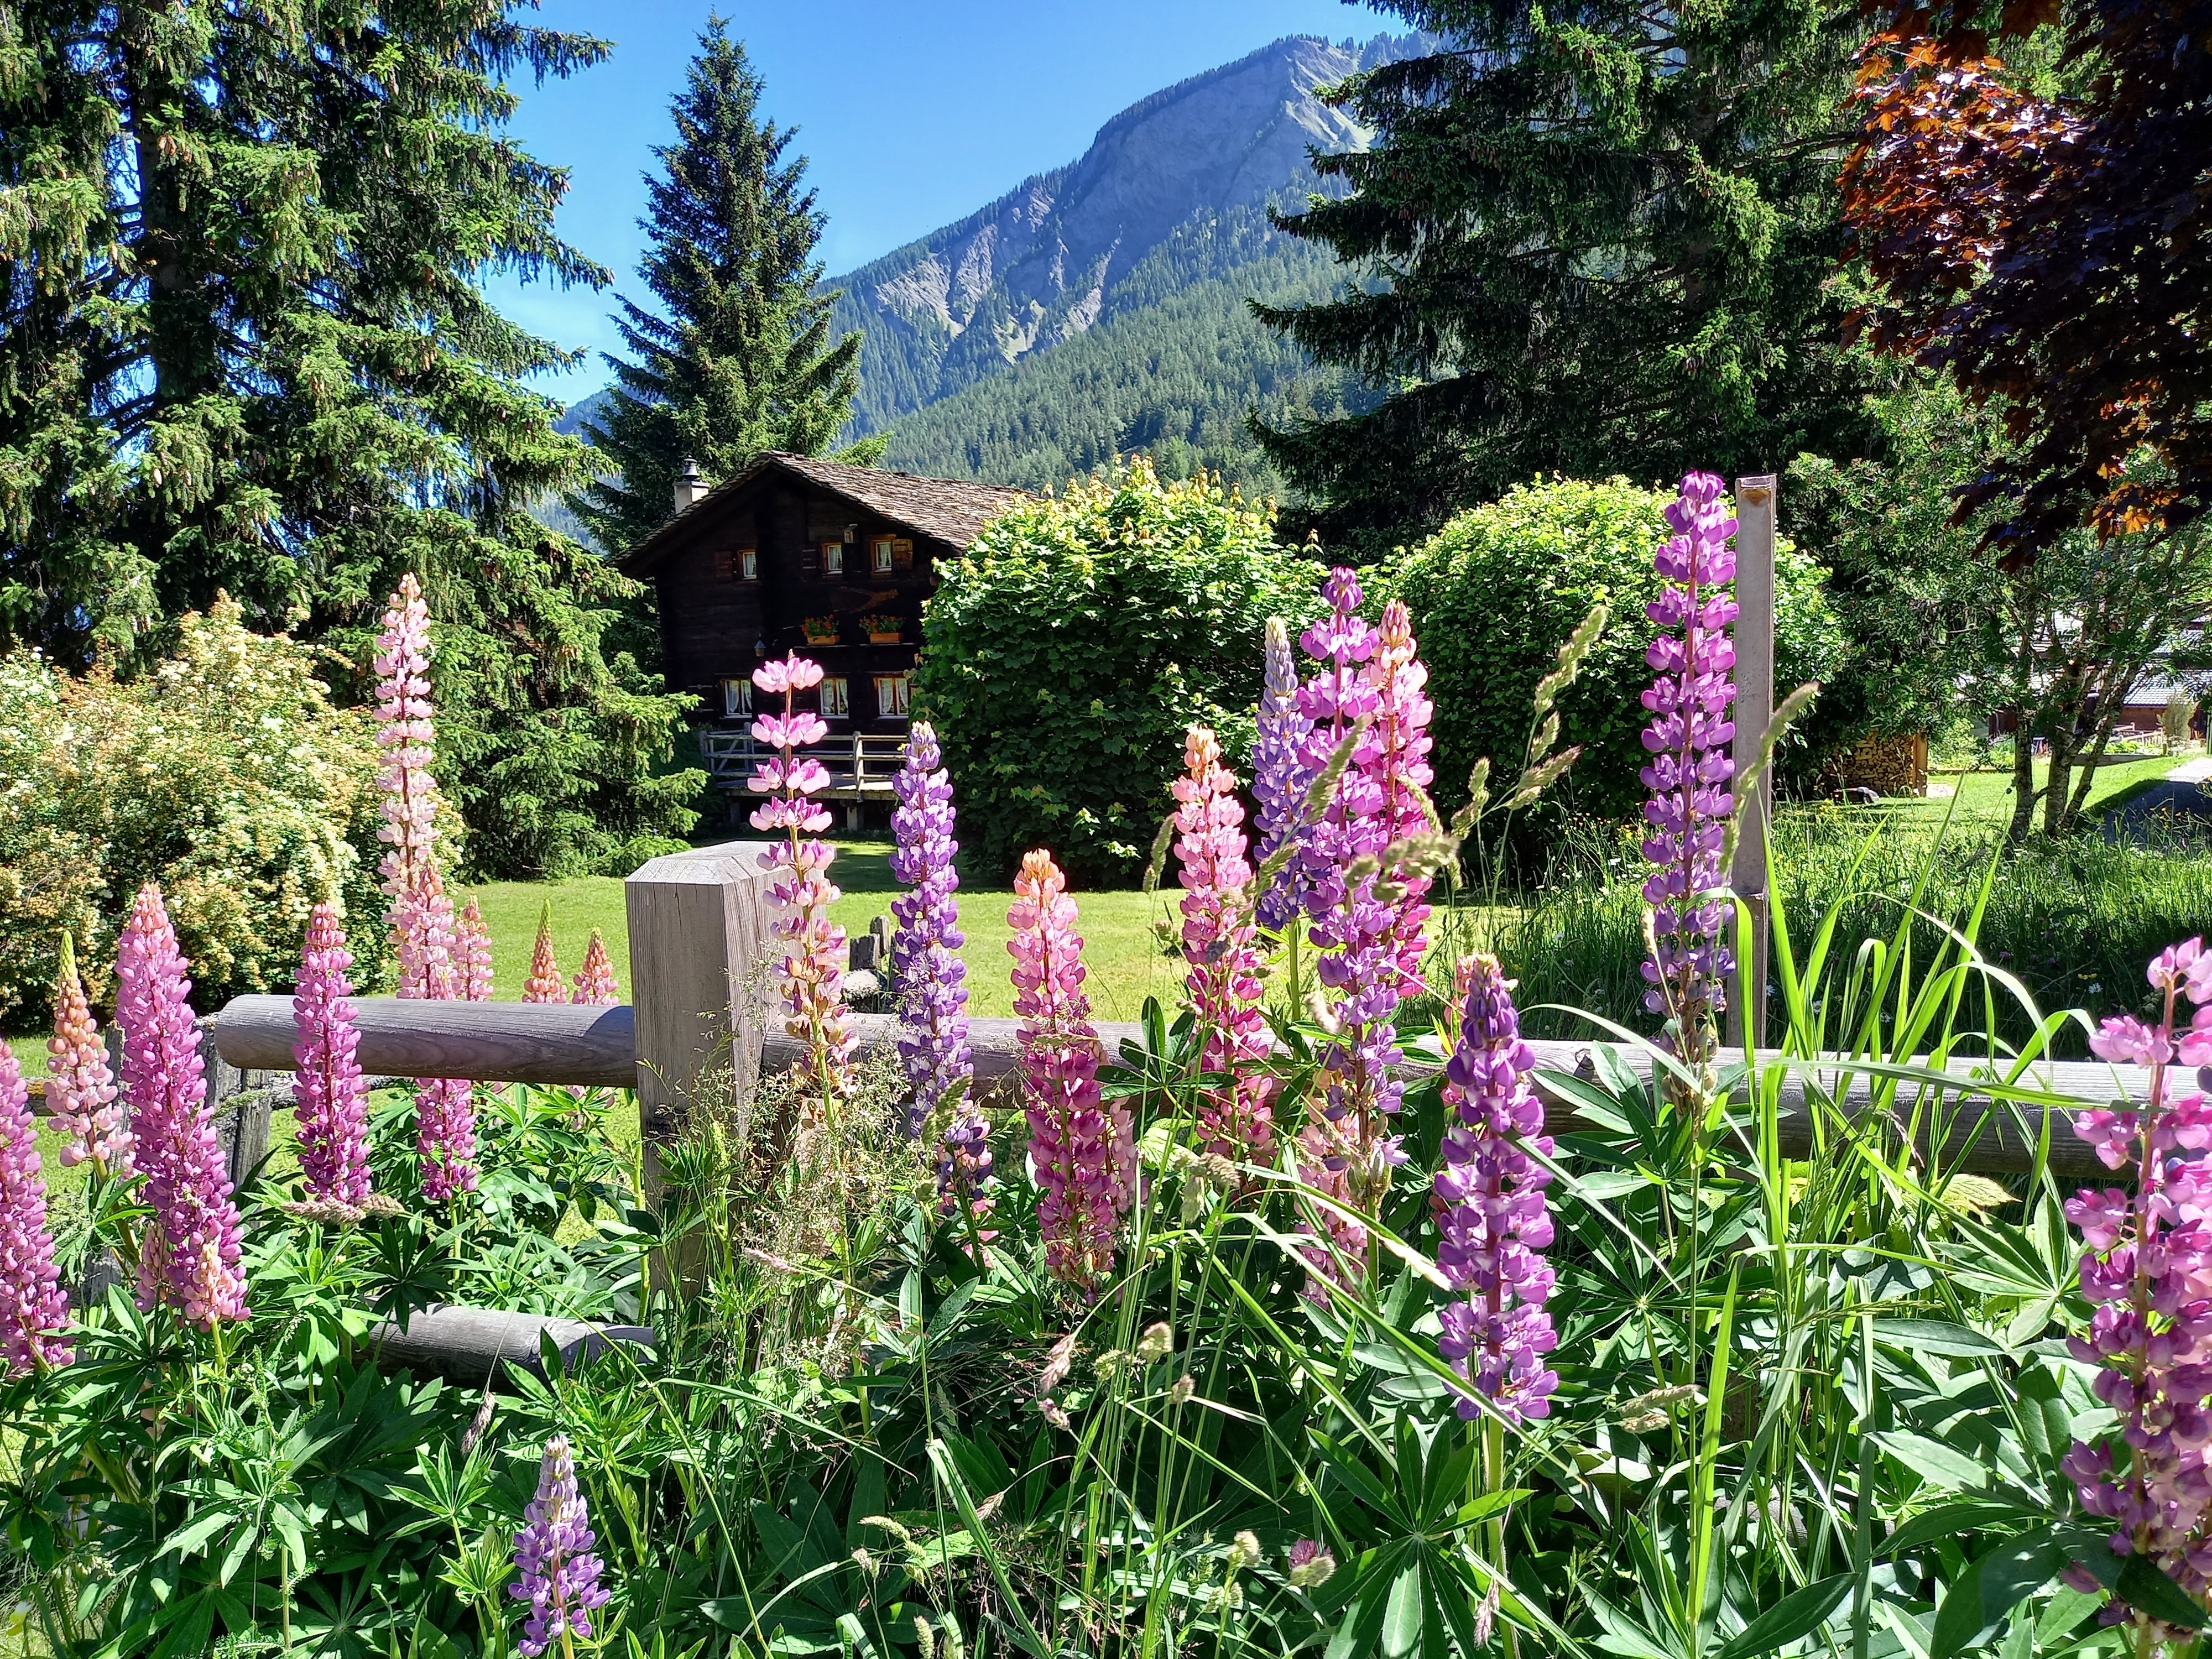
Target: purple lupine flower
point(559, 1575)
point(328, 1090)
point(1370, 931)
point(2147, 1272)
point(1283, 768)
point(33, 1307)
point(926, 947)
point(190, 1258)
point(1494, 1222)
point(964, 1171)
point(80, 1087)
point(1688, 739)
point(1082, 1147)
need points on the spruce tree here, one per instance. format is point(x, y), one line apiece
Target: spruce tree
point(736, 358)
point(1593, 237)
point(245, 351)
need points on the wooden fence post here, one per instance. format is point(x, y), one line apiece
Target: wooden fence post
point(1754, 707)
point(699, 941)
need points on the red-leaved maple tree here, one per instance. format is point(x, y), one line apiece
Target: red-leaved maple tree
point(2053, 255)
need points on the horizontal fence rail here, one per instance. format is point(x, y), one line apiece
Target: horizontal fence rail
point(524, 1043)
point(486, 1042)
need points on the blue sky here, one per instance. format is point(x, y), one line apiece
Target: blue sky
point(911, 113)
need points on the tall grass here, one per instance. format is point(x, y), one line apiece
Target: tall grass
point(2073, 920)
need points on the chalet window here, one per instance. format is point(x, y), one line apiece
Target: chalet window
point(832, 558)
point(748, 565)
point(883, 550)
point(836, 698)
point(893, 696)
point(737, 698)
point(740, 564)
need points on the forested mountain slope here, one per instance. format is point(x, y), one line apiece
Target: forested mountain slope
point(1176, 377)
point(1169, 201)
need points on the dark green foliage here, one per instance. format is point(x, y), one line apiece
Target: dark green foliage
point(1495, 593)
point(1598, 242)
point(1175, 374)
point(737, 355)
point(1070, 649)
point(1921, 614)
point(245, 351)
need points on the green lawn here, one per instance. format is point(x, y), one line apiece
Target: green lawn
point(1988, 795)
point(1126, 965)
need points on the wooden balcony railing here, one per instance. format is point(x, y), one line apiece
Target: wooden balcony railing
point(861, 764)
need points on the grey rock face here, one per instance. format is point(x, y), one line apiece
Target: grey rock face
point(1041, 263)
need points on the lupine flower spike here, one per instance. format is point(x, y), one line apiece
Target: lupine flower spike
point(1688, 740)
point(328, 1088)
point(2146, 1272)
point(190, 1258)
point(1283, 768)
point(1494, 1221)
point(1235, 1118)
point(545, 983)
point(80, 1086)
point(473, 955)
point(1370, 929)
point(814, 955)
point(436, 961)
point(559, 1575)
point(1082, 1151)
point(595, 984)
point(33, 1308)
point(932, 979)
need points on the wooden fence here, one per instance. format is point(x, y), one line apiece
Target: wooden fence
point(701, 961)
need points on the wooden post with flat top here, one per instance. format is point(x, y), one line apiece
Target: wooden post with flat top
point(699, 946)
point(1754, 707)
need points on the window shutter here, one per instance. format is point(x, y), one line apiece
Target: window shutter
point(722, 565)
point(902, 554)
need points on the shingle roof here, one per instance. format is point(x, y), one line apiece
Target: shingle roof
point(951, 510)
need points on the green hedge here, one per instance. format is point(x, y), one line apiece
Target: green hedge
point(1495, 593)
point(1065, 653)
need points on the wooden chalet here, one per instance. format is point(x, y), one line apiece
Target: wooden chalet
point(831, 561)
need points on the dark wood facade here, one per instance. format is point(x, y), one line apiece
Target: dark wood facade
point(740, 572)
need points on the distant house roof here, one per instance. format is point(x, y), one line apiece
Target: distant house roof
point(950, 510)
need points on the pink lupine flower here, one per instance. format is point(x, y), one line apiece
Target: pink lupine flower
point(190, 1258)
point(1688, 740)
point(473, 955)
point(595, 984)
point(1493, 1220)
point(437, 959)
point(545, 983)
point(1082, 1150)
point(559, 1574)
point(813, 969)
point(408, 739)
point(446, 1137)
point(1370, 931)
point(328, 1090)
point(33, 1307)
point(2148, 1272)
point(1236, 1120)
point(81, 1093)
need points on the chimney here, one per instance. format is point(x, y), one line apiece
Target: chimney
point(690, 486)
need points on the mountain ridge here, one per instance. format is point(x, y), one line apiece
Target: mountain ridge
point(1040, 264)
